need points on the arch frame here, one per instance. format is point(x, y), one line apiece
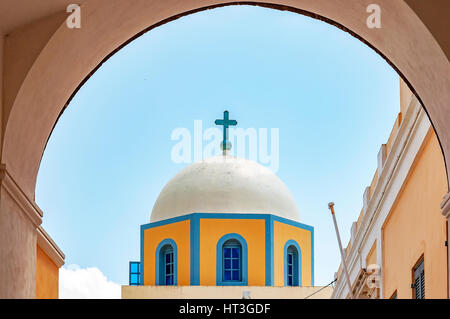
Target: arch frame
point(23, 158)
point(158, 266)
point(289, 243)
point(244, 260)
point(65, 60)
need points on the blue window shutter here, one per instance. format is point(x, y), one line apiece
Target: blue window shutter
point(135, 273)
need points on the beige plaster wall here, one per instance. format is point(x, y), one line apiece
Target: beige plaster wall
point(223, 292)
point(22, 47)
point(432, 15)
point(17, 250)
point(1, 89)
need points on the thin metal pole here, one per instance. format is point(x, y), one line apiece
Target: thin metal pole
point(344, 264)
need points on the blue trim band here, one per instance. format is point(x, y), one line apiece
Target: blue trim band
point(312, 257)
point(195, 249)
point(142, 255)
point(226, 216)
point(269, 250)
point(292, 223)
point(166, 221)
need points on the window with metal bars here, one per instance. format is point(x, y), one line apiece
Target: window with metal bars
point(232, 261)
point(168, 266)
point(166, 263)
point(419, 280)
point(292, 266)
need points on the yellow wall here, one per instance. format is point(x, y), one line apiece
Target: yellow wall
point(253, 231)
point(416, 227)
point(47, 274)
point(283, 233)
point(180, 233)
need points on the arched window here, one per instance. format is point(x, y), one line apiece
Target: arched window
point(166, 263)
point(292, 264)
point(232, 261)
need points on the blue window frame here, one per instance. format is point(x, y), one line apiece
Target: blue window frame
point(135, 273)
point(232, 261)
point(166, 263)
point(292, 264)
point(232, 268)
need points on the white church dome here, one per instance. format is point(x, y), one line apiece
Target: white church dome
point(225, 184)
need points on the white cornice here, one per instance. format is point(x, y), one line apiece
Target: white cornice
point(49, 247)
point(33, 213)
point(414, 121)
point(27, 206)
point(399, 148)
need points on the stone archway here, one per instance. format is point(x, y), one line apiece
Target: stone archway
point(46, 62)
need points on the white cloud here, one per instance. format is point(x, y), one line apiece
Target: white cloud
point(86, 283)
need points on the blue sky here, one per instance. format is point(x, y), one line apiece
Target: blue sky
point(333, 99)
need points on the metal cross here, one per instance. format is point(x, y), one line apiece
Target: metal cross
point(226, 122)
